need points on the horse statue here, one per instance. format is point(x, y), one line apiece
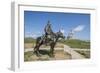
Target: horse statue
point(42, 40)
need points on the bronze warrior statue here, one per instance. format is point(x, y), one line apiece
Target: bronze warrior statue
point(48, 30)
point(50, 38)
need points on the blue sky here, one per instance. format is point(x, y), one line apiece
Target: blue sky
point(34, 23)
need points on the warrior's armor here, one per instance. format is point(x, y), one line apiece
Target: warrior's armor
point(47, 29)
point(48, 32)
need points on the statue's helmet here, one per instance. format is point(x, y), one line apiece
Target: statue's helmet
point(48, 22)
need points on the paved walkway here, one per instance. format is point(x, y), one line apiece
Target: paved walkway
point(74, 54)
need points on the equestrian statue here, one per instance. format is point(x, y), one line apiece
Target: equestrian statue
point(49, 38)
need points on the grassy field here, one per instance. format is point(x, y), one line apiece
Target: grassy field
point(74, 43)
point(86, 54)
point(29, 40)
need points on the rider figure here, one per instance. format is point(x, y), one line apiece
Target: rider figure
point(48, 31)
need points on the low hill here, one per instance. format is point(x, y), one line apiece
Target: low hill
point(75, 43)
point(29, 40)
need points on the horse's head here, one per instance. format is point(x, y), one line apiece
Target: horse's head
point(60, 35)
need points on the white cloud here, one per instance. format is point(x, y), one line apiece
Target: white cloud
point(78, 28)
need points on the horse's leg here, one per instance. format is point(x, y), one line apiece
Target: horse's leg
point(38, 54)
point(36, 50)
point(39, 42)
point(52, 50)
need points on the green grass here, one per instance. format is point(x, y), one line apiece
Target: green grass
point(27, 55)
point(86, 54)
point(74, 43)
point(29, 40)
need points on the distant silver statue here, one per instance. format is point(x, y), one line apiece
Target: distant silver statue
point(70, 35)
